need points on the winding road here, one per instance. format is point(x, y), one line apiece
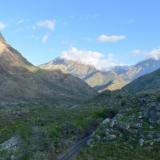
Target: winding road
point(72, 152)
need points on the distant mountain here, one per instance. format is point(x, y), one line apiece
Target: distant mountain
point(94, 77)
point(22, 81)
point(134, 72)
point(114, 79)
point(68, 66)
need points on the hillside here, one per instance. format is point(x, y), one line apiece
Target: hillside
point(130, 130)
point(148, 82)
point(134, 72)
point(94, 77)
point(114, 79)
point(30, 83)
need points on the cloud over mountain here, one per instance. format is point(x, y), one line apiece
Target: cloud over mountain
point(154, 53)
point(94, 58)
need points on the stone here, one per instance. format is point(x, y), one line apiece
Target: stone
point(111, 137)
point(106, 121)
point(112, 123)
point(11, 144)
point(141, 141)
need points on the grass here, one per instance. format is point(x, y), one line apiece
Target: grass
point(42, 127)
point(119, 150)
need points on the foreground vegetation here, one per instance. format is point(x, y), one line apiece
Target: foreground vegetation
point(46, 130)
point(132, 134)
point(120, 150)
point(123, 127)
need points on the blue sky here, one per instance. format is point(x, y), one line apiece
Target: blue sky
point(118, 31)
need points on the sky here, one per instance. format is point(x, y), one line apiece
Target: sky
point(103, 33)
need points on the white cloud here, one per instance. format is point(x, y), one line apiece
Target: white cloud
point(94, 58)
point(2, 25)
point(48, 24)
point(155, 53)
point(110, 38)
point(45, 38)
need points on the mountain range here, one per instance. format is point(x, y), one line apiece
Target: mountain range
point(122, 124)
point(22, 81)
point(64, 80)
point(101, 80)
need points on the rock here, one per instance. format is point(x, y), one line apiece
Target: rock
point(106, 121)
point(123, 127)
point(138, 125)
point(151, 143)
point(112, 137)
point(141, 141)
point(112, 123)
point(11, 144)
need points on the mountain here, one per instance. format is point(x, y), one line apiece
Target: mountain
point(68, 66)
point(94, 77)
point(148, 82)
point(116, 78)
point(134, 72)
point(22, 81)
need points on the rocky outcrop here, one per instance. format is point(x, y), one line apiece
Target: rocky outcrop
point(139, 123)
point(11, 148)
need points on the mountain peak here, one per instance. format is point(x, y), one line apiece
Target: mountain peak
point(11, 59)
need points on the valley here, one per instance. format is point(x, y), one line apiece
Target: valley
point(79, 80)
point(39, 128)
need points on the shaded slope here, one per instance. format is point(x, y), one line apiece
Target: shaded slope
point(95, 78)
point(21, 81)
point(148, 82)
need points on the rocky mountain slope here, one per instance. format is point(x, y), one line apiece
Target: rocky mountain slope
point(22, 81)
point(132, 133)
point(114, 79)
point(134, 72)
point(95, 78)
point(68, 66)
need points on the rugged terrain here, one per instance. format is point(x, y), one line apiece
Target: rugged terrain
point(117, 125)
point(89, 74)
point(132, 133)
point(113, 79)
point(22, 81)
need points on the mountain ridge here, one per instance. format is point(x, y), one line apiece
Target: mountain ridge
point(114, 79)
point(31, 83)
